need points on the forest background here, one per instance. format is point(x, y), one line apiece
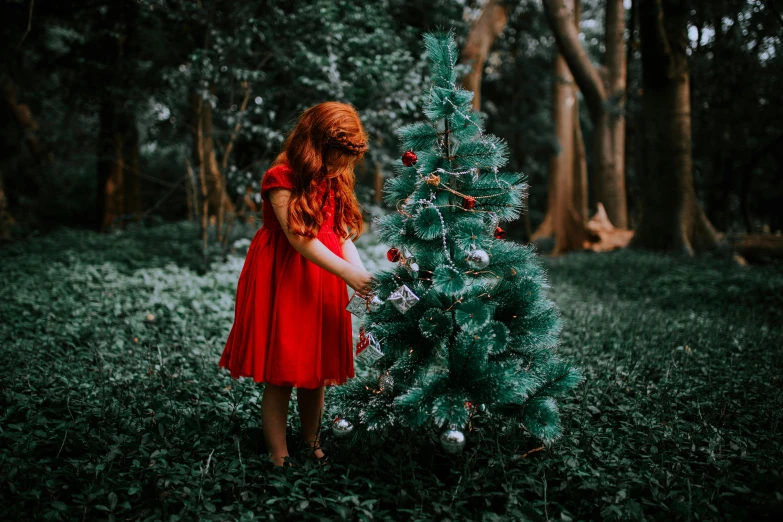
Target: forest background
point(121, 111)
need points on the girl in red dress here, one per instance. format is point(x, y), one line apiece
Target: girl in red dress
point(291, 328)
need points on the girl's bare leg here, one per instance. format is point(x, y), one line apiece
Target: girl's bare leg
point(311, 407)
point(274, 418)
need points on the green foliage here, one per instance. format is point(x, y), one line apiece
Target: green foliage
point(428, 223)
point(436, 324)
point(677, 418)
point(448, 281)
point(472, 315)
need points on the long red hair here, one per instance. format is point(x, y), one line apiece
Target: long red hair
point(325, 145)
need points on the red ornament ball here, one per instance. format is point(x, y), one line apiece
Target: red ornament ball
point(468, 203)
point(500, 233)
point(393, 255)
point(409, 158)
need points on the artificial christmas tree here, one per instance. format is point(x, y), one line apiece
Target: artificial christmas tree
point(463, 318)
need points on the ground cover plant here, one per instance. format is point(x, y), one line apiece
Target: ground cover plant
point(112, 405)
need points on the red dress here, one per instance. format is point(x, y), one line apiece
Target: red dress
point(290, 327)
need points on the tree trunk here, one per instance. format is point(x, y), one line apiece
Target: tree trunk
point(227, 205)
point(608, 125)
point(631, 125)
point(193, 167)
point(200, 153)
point(11, 109)
point(110, 167)
point(131, 178)
point(566, 186)
point(21, 114)
point(480, 39)
point(581, 194)
point(671, 218)
point(6, 219)
point(118, 143)
point(562, 218)
point(613, 192)
point(567, 224)
point(190, 191)
point(215, 199)
point(209, 161)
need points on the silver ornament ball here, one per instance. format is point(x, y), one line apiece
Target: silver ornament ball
point(341, 427)
point(452, 440)
point(477, 259)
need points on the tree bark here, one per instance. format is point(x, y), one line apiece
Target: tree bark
point(118, 144)
point(671, 218)
point(209, 163)
point(632, 124)
point(568, 225)
point(199, 158)
point(20, 113)
point(566, 187)
point(6, 219)
point(581, 194)
point(131, 178)
point(190, 191)
point(613, 190)
point(215, 199)
point(110, 167)
point(563, 220)
point(599, 88)
point(480, 39)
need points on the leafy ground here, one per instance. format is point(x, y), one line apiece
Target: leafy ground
point(112, 405)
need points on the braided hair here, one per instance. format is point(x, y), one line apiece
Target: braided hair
point(343, 142)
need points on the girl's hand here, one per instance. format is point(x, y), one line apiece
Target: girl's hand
point(360, 280)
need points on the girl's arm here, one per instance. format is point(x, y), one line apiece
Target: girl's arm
point(350, 253)
point(312, 249)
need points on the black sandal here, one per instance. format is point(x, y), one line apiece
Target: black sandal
point(321, 460)
point(286, 464)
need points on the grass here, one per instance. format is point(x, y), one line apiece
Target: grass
point(113, 407)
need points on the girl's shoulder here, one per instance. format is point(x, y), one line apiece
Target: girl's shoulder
point(278, 176)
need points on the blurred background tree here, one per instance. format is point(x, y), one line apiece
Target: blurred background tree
point(116, 112)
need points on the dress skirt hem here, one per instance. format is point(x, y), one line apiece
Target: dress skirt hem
point(303, 385)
